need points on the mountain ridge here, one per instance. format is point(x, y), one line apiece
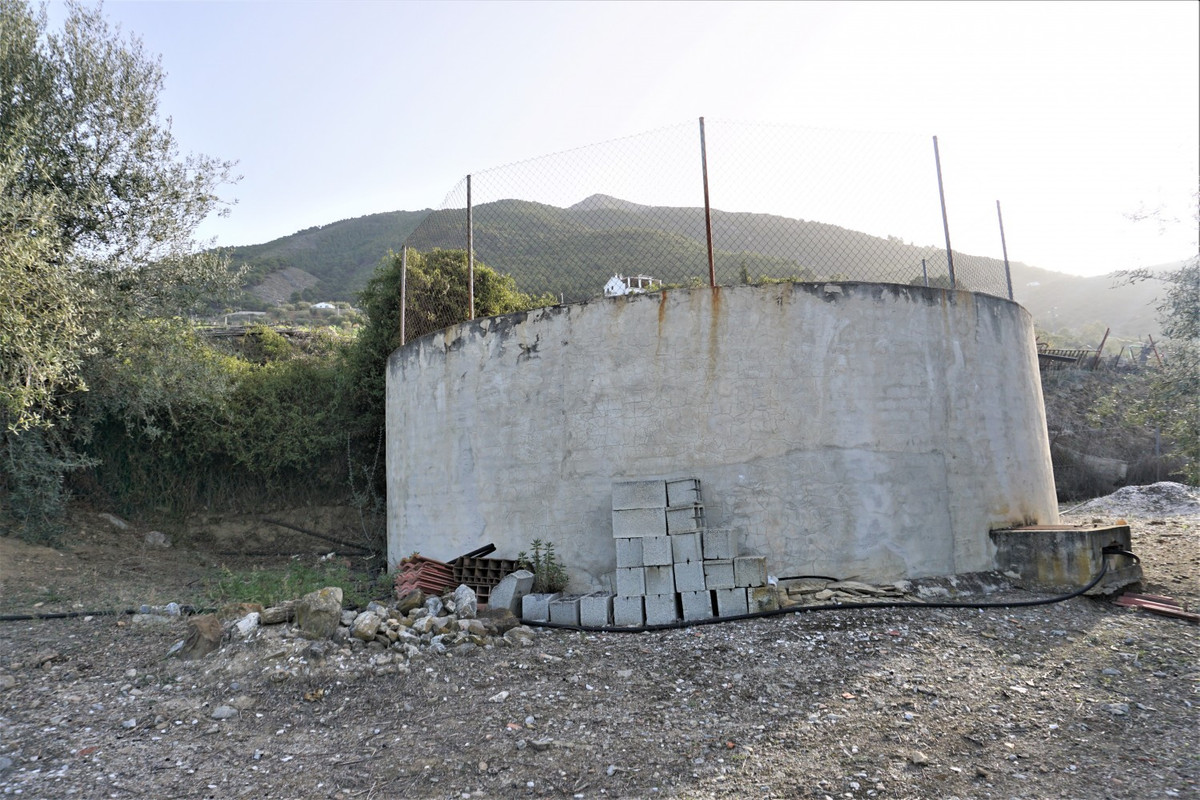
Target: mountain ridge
point(602, 234)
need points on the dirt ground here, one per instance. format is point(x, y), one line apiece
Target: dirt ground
point(1081, 699)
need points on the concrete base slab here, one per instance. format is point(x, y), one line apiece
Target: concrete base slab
point(1065, 557)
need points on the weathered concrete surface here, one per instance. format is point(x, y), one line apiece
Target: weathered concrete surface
point(873, 431)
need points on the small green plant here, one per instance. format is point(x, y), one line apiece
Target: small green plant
point(549, 575)
point(269, 586)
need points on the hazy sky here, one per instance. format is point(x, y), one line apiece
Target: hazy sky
point(1073, 115)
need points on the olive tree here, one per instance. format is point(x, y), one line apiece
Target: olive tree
point(98, 213)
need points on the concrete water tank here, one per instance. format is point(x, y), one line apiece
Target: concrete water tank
point(863, 430)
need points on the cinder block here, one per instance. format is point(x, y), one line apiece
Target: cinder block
point(631, 581)
point(511, 589)
point(656, 551)
point(718, 573)
point(631, 522)
point(762, 598)
point(696, 605)
point(565, 610)
point(685, 547)
point(731, 602)
point(596, 610)
point(536, 607)
point(660, 580)
point(639, 494)
point(683, 492)
point(685, 519)
point(629, 612)
point(719, 543)
point(629, 552)
point(689, 577)
point(750, 571)
point(662, 609)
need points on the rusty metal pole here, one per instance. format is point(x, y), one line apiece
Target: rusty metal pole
point(470, 256)
point(1154, 347)
point(712, 269)
point(403, 290)
point(1004, 247)
point(937, 158)
point(1100, 350)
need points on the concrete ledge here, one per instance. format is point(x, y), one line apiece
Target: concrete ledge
point(1065, 557)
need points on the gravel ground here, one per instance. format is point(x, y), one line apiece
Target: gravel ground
point(1080, 699)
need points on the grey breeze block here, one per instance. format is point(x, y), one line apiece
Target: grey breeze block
point(596, 610)
point(750, 571)
point(629, 611)
point(510, 591)
point(689, 577)
point(631, 522)
point(565, 610)
point(685, 519)
point(536, 607)
point(631, 581)
point(660, 580)
point(638, 494)
point(731, 602)
point(718, 574)
point(696, 605)
point(661, 609)
point(629, 552)
point(683, 492)
point(656, 551)
point(719, 543)
point(685, 547)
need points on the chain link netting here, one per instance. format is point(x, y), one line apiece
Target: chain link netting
point(786, 203)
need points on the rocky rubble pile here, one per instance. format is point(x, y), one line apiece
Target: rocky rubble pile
point(415, 624)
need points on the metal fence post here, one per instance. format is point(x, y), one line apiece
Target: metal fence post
point(937, 158)
point(712, 269)
point(470, 256)
point(1004, 247)
point(403, 290)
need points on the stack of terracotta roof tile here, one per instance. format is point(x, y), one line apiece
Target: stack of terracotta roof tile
point(427, 574)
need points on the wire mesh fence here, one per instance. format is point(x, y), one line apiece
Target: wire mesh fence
point(716, 203)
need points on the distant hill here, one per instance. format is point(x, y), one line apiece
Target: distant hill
point(329, 262)
point(572, 251)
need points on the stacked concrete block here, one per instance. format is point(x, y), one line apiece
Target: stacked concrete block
point(596, 610)
point(670, 565)
point(662, 609)
point(657, 551)
point(718, 573)
point(718, 543)
point(565, 610)
point(660, 580)
point(731, 602)
point(750, 571)
point(536, 607)
point(629, 612)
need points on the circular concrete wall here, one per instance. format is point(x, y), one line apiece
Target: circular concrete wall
point(868, 430)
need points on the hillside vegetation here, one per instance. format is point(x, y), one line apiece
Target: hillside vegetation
point(570, 253)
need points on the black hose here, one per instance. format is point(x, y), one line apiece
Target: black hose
point(1109, 550)
point(128, 612)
